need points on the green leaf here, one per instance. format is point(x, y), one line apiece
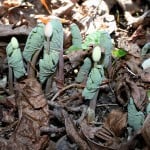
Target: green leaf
point(84, 70)
point(91, 39)
point(48, 65)
point(72, 49)
point(15, 58)
point(76, 39)
point(95, 78)
point(49, 62)
point(102, 39)
point(148, 109)
point(76, 36)
point(145, 49)
point(118, 53)
point(35, 42)
point(135, 117)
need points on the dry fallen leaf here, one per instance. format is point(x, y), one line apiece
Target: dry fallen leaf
point(116, 121)
point(33, 114)
point(146, 131)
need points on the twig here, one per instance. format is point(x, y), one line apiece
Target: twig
point(2, 130)
point(103, 105)
point(74, 85)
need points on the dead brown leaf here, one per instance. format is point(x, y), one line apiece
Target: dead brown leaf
point(89, 133)
point(138, 93)
point(146, 130)
point(33, 114)
point(73, 134)
point(116, 121)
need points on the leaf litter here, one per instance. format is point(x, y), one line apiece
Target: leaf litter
point(113, 111)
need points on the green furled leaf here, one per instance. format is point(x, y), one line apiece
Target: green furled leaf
point(49, 62)
point(148, 108)
point(76, 39)
point(95, 78)
point(135, 117)
point(72, 49)
point(84, 70)
point(48, 65)
point(76, 36)
point(56, 40)
point(103, 39)
point(145, 49)
point(35, 42)
point(118, 53)
point(15, 58)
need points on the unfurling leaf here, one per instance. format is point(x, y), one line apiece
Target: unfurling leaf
point(84, 70)
point(94, 80)
point(135, 117)
point(49, 62)
point(76, 36)
point(76, 39)
point(103, 39)
point(15, 58)
point(118, 53)
point(35, 42)
point(145, 49)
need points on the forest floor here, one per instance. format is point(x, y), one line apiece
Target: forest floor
point(74, 75)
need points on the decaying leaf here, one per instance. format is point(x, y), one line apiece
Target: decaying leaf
point(116, 121)
point(15, 58)
point(33, 114)
point(73, 134)
point(146, 131)
point(138, 93)
point(135, 117)
point(50, 60)
point(35, 42)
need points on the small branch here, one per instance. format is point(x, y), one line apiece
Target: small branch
point(74, 85)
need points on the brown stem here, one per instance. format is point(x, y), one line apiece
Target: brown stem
point(60, 72)
point(11, 88)
point(92, 106)
point(31, 65)
point(48, 85)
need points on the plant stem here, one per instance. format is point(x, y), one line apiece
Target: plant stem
point(31, 65)
point(11, 89)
